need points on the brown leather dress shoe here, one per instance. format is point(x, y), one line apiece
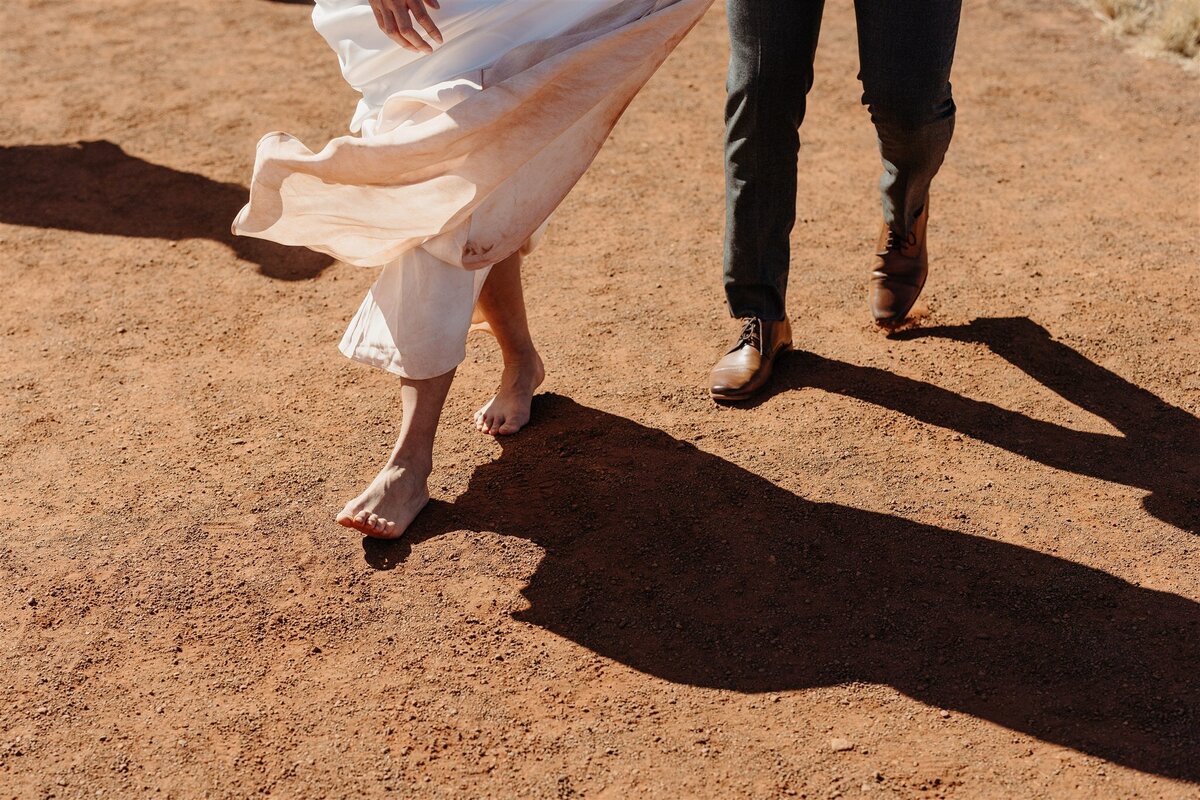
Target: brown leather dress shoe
point(747, 366)
point(901, 266)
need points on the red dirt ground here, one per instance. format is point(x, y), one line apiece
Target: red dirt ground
point(960, 561)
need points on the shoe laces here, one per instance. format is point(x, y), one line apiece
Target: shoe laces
point(896, 242)
point(752, 333)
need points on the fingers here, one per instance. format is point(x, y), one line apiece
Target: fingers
point(424, 20)
point(381, 18)
point(403, 33)
point(395, 18)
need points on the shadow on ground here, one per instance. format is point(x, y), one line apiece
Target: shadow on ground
point(1157, 451)
point(690, 568)
point(96, 187)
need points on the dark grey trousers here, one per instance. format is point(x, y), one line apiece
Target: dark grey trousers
point(905, 50)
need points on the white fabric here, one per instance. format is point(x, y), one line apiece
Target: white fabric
point(463, 154)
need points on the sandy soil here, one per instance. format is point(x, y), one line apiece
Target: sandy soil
point(960, 561)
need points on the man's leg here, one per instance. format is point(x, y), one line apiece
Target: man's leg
point(770, 73)
point(906, 48)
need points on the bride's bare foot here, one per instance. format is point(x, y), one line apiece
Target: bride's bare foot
point(508, 411)
point(389, 504)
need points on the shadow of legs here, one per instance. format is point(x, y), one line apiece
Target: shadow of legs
point(690, 568)
point(1156, 451)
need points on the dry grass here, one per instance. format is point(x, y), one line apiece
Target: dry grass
point(1169, 27)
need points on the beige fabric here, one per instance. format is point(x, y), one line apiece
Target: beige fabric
point(459, 171)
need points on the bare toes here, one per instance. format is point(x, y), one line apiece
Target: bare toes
point(390, 529)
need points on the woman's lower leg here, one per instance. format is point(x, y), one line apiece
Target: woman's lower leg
point(502, 306)
point(400, 490)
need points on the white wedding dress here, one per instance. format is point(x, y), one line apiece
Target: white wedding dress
point(461, 157)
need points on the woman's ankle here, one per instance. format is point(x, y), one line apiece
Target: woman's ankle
point(419, 464)
point(520, 356)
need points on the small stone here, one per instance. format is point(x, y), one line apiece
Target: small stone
point(840, 745)
point(944, 714)
point(237, 441)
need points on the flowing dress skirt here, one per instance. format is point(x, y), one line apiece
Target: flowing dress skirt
point(461, 155)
